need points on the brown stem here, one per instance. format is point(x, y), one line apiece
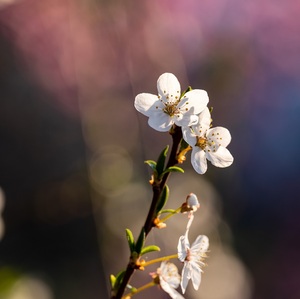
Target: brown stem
point(157, 190)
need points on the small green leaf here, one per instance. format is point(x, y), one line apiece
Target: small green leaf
point(187, 90)
point(112, 279)
point(118, 279)
point(151, 163)
point(150, 248)
point(174, 169)
point(130, 239)
point(163, 199)
point(140, 242)
point(160, 166)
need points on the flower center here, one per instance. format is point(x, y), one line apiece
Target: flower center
point(188, 255)
point(171, 109)
point(201, 142)
point(207, 144)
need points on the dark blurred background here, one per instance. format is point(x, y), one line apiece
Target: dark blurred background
point(72, 146)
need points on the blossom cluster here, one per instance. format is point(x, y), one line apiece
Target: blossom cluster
point(189, 111)
point(191, 255)
point(187, 118)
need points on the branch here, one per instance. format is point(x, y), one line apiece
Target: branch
point(157, 190)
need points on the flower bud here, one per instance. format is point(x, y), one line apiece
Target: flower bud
point(191, 204)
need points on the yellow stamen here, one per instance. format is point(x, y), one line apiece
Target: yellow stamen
point(201, 142)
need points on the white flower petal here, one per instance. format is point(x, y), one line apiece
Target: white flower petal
point(204, 121)
point(196, 98)
point(195, 275)
point(169, 279)
point(168, 289)
point(186, 120)
point(160, 121)
point(182, 248)
point(192, 265)
point(169, 272)
point(221, 158)
point(189, 136)
point(201, 244)
point(146, 103)
point(198, 159)
point(221, 136)
point(168, 87)
point(185, 277)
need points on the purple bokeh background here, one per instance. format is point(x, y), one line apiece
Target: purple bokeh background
point(62, 61)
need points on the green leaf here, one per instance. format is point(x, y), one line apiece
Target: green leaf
point(151, 163)
point(112, 279)
point(160, 166)
point(187, 90)
point(140, 242)
point(163, 199)
point(130, 239)
point(118, 280)
point(150, 248)
point(174, 169)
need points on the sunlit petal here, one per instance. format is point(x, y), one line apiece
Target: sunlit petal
point(219, 135)
point(185, 277)
point(195, 275)
point(169, 279)
point(198, 159)
point(147, 103)
point(168, 87)
point(182, 248)
point(160, 121)
point(168, 289)
point(221, 158)
point(186, 120)
point(204, 121)
point(170, 274)
point(196, 98)
point(201, 244)
point(189, 136)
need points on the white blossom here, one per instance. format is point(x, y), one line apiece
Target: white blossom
point(192, 257)
point(207, 143)
point(168, 107)
point(169, 279)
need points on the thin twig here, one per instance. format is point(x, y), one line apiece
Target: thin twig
point(152, 214)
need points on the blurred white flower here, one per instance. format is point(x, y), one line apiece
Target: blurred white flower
point(169, 279)
point(207, 143)
point(192, 257)
point(168, 107)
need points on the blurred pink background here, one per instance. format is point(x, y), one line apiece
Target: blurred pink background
point(72, 145)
